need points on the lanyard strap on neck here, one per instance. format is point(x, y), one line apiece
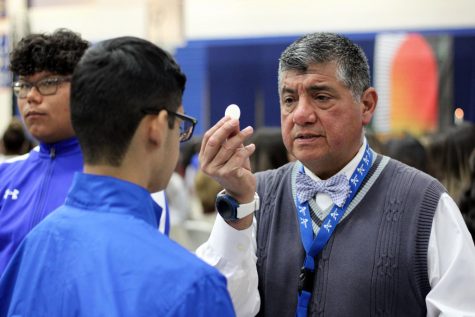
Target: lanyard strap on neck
point(314, 246)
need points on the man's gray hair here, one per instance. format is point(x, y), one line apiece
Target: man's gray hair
point(323, 48)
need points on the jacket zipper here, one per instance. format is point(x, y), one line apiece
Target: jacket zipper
point(38, 211)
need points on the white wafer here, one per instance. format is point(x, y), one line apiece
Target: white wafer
point(233, 111)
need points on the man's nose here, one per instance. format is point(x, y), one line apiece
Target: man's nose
point(304, 112)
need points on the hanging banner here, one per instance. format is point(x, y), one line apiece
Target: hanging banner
point(407, 75)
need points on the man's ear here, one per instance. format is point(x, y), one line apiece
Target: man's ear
point(369, 101)
point(158, 128)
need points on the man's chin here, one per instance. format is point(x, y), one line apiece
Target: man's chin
point(307, 156)
point(46, 138)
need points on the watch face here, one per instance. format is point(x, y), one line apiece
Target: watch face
point(225, 209)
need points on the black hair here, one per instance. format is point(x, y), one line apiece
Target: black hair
point(14, 138)
point(113, 83)
point(57, 53)
point(449, 152)
point(408, 150)
point(270, 150)
point(467, 200)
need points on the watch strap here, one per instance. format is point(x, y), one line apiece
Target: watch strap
point(246, 209)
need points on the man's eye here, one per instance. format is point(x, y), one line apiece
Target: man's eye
point(321, 97)
point(288, 104)
point(288, 100)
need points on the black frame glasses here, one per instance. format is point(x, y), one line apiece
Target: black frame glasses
point(45, 86)
point(187, 125)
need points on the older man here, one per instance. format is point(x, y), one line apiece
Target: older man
point(343, 231)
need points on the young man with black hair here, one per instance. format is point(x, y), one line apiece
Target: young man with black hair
point(100, 253)
point(33, 185)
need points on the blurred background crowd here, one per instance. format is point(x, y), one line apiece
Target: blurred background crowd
point(421, 54)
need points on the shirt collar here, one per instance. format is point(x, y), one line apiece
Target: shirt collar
point(106, 194)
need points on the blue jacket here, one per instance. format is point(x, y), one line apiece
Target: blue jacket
point(31, 186)
point(100, 254)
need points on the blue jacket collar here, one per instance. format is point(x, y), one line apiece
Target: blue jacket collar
point(59, 148)
point(107, 194)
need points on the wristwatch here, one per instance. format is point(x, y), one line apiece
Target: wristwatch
point(231, 210)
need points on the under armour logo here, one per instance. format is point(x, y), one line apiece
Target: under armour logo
point(304, 221)
point(13, 193)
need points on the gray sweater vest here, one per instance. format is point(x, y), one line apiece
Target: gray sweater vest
point(375, 263)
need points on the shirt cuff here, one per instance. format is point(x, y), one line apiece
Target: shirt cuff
point(229, 242)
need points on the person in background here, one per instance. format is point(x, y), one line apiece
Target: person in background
point(467, 200)
point(206, 189)
point(449, 153)
point(33, 185)
point(14, 141)
point(270, 149)
point(99, 254)
point(178, 200)
point(343, 230)
point(408, 150)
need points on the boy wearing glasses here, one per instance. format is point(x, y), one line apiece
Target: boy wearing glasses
point(99, 254)
point(35, 184)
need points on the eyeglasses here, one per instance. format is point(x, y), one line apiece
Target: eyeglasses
point(45, 86)
point(187, 124)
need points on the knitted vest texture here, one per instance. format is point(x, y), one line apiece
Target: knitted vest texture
point(375, 263)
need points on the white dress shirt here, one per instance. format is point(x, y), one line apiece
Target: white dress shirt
point(451, 258)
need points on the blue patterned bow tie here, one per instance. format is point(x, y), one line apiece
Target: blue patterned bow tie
point(336, 187)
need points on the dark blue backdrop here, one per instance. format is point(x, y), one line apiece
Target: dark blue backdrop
point(244, 71)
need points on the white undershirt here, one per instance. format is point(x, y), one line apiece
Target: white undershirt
point(451, 258)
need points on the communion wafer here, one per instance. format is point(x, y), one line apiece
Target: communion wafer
point(233, 111)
